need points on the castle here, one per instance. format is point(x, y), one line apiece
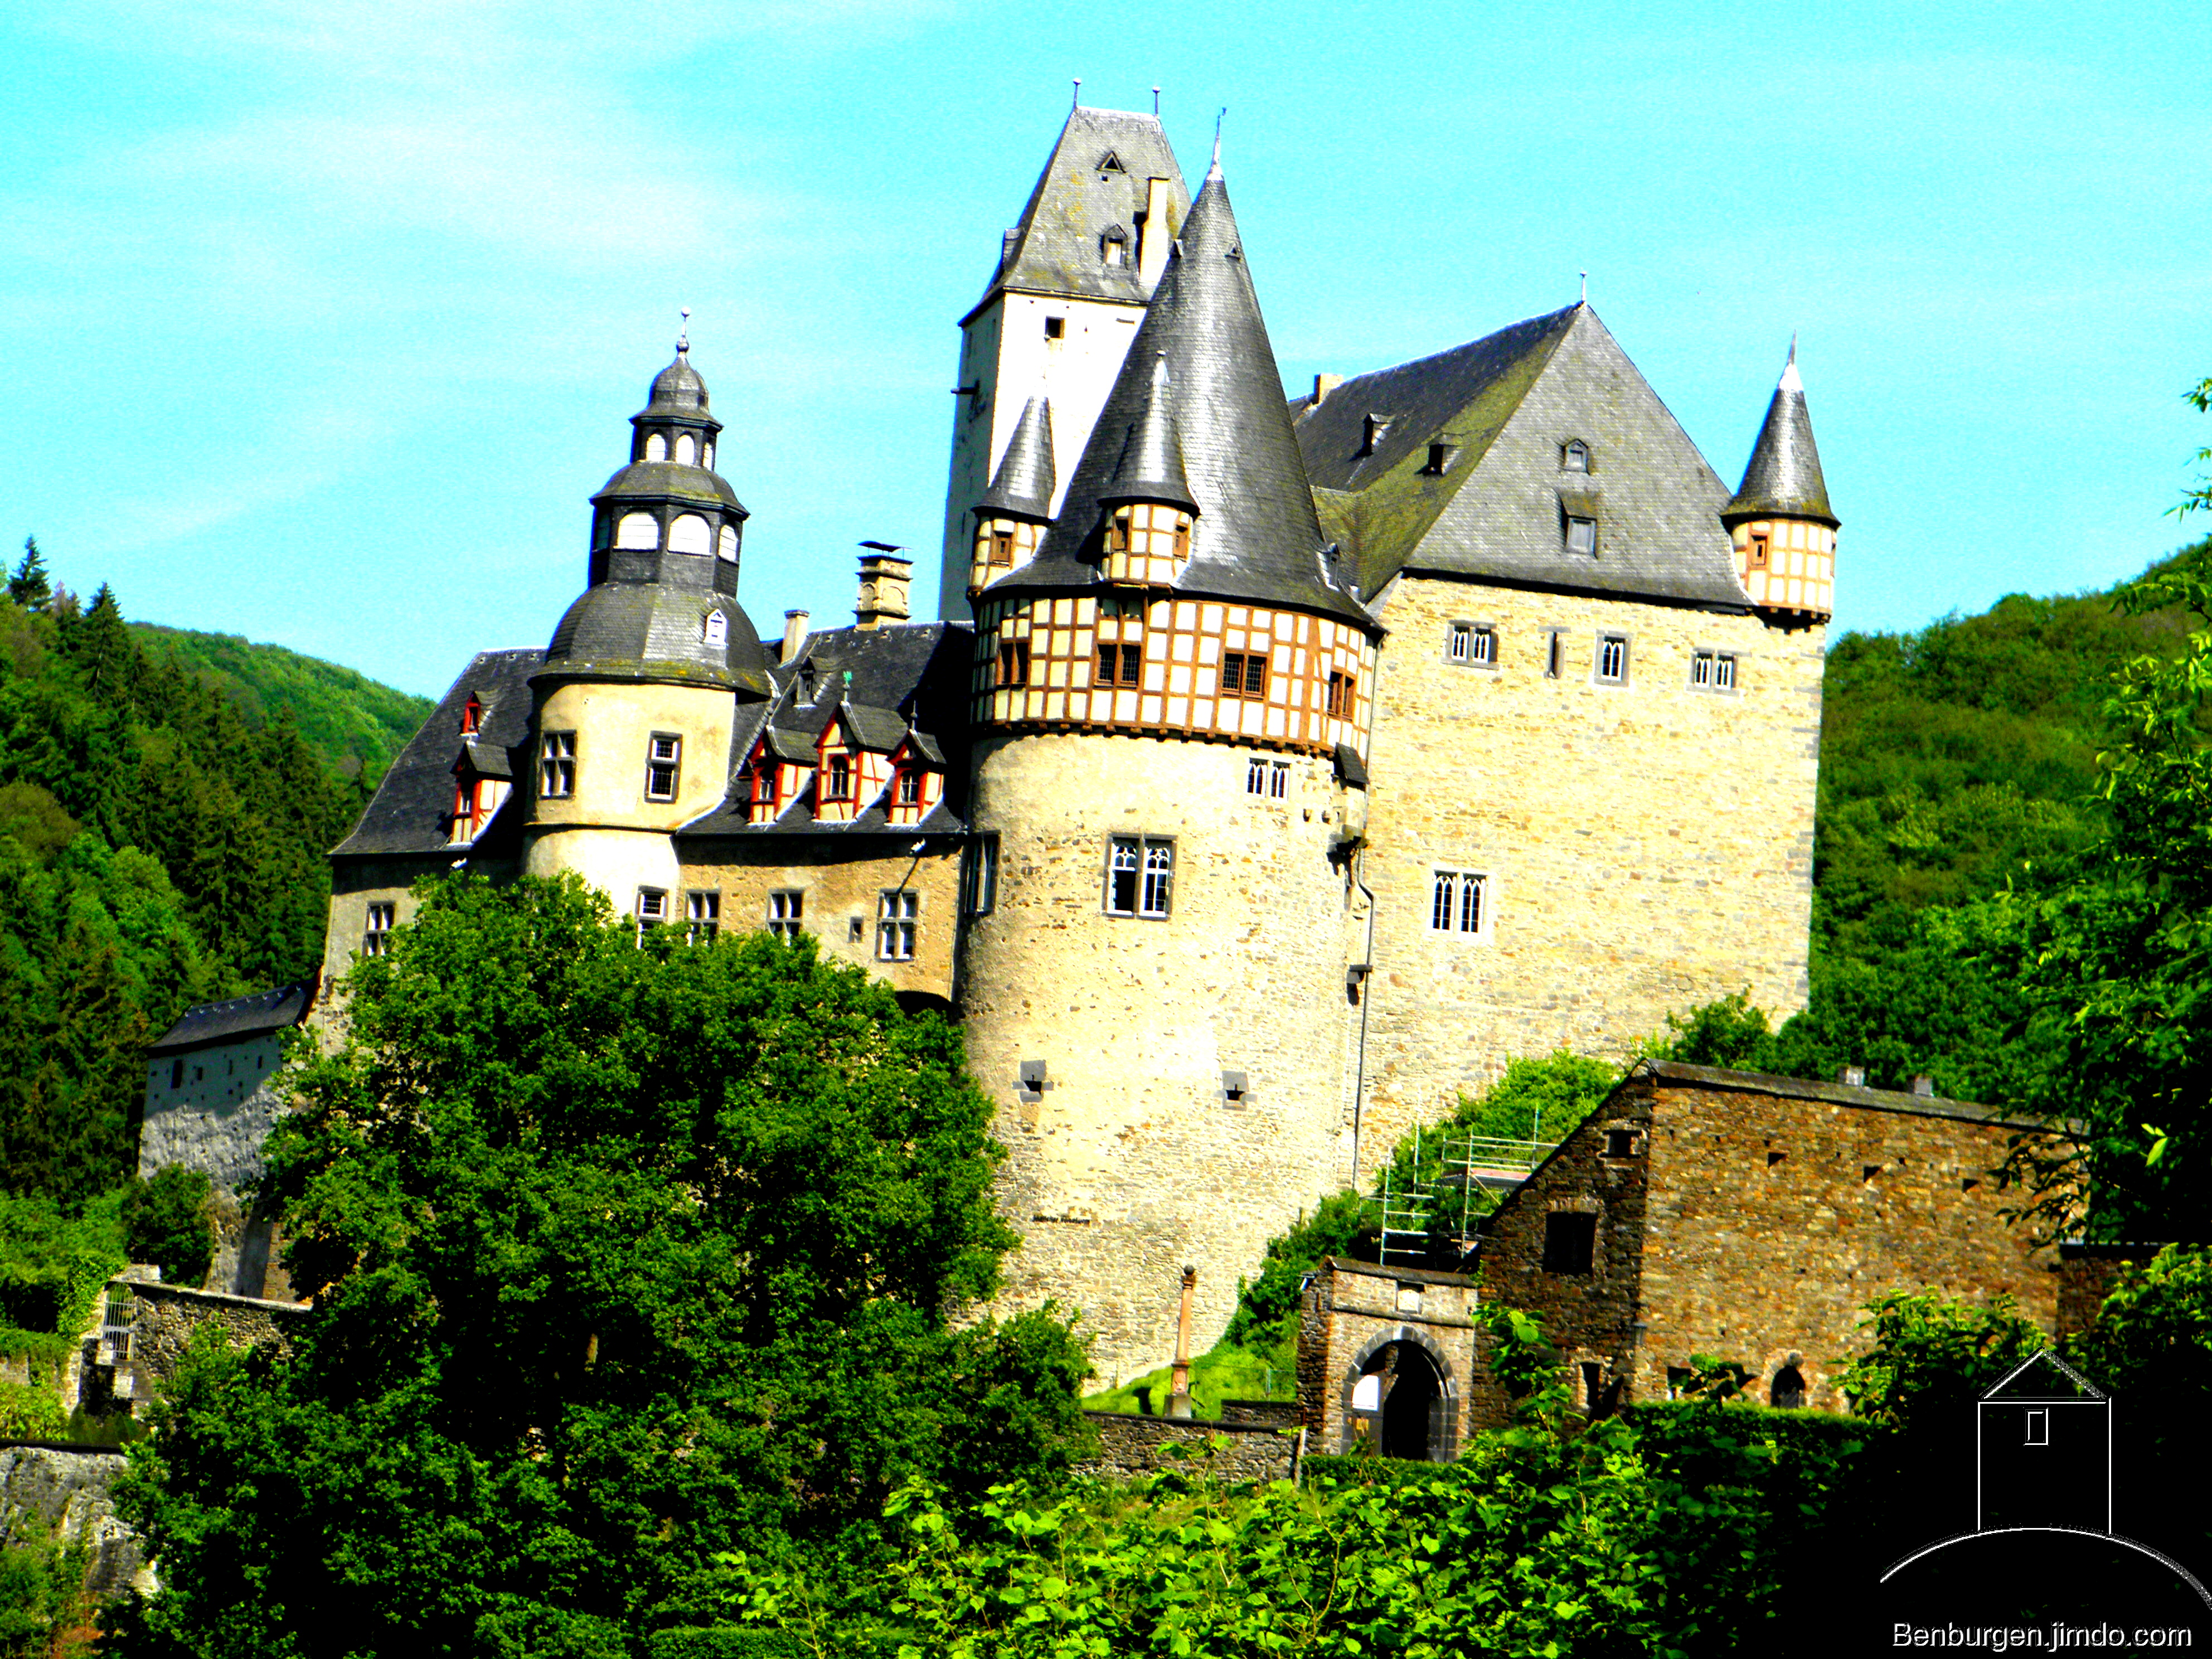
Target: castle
point(1278, 769)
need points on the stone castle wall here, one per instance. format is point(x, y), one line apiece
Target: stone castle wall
point(1130, 1163)
point(1129, 1444)
point(1753, 1219)
point(1647, 846)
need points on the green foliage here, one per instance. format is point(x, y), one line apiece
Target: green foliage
point(1727, 1032)
point(46, 1611)
point(354, 726)
point(29, 586)
point(621, 1253)
point(166, 1220)
point(1229, 1372)
point(2199, 494)
point(1267, 1307)
point(1932, 1357)
point(53, 1266)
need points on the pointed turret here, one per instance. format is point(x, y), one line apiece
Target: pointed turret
point(1014, 511)
point(1783, 530)
point(1199, 386)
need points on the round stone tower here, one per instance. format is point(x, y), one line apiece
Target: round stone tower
point(1783, 532)
point(1171, 722)
point(636, 702)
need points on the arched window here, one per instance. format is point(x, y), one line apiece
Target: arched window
point(687, 449)
point(689, 534)
point(656, 448)
point(717, 629)
point(1788, 1390)
point(727, 543)
point(638, 529)
point(707, 455)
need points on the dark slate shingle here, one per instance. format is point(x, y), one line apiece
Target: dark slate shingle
point(408, 812)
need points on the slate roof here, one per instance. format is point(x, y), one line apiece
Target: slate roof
point(408, 812)
point(1024, 486)
point(657, 630)
point(1149, 467)
point(241, 1017)
point(1055, 248)
point(670, 481)
point(678, 394)
point(1504, 407)
point(1256, 537)
point(882, 682)
point(1783, 479)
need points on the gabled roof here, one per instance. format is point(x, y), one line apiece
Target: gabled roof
point(1055, 248)
point(877, 729)
point(1504, 407)
point(1783, 479)
point(408, 812)
point(1256, 538)
point(239, 1018)
point(2053, 1378)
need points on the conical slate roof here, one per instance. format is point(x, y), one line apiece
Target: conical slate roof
point(1023, 488)
point(1150, 465)
point(679, 393)
point(1256, 538)
point(1784, 480)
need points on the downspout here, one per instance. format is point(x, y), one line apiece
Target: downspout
point(1366, 996)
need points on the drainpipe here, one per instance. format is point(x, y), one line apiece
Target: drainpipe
point(1366, 996)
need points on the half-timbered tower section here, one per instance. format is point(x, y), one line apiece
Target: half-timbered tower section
point(1168, 702)
point(1595, 758)
point(1056, 321)
point(1783, 533)
point(842, 821)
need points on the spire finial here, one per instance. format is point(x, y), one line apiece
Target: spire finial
point(1793, 345)
point(683, 334)
point(1156, 100)
point(1077, 104)
point(1214, 172)
point(1585, 298)
point(1790, 382)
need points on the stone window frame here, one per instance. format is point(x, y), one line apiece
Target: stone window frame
point(703, 914)
point(657, 764)
point(1555, 651)
point(1235, 1090)
point(1612, 635)
point(1724, 676)
point(784, 912)
point(1637, 1142)
point(381, 917)
point(1144, 870)
point(556, 766)
point(979, 876)
point(1586, 1206)
point(650, 910)
point(1485, 905)
point(898, 924)
point(1472, 631)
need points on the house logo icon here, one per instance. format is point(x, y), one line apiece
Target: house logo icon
point(2042, 1495)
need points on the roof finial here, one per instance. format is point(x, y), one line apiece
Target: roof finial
point(1793, 345)
point(1585, 298)
point(1790, 381)
point(1156, 100)
point(1214, 172)
point(683, 334)
point(1077, 104)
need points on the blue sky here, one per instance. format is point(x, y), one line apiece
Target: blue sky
point(321, 324)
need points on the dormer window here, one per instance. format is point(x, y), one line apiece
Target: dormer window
point(1109, 162)
point(1373, 430)
point(837, 778)
point(1581, 536)
point(1440, 459)
point(656, 448)
point(687, 449)
point(1575, 457)
point(472, 716)
point(909, 786)
point(1114, 246)
point(717, 628)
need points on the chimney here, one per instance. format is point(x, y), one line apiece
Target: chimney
point(1153, 240)
point(794, 634)
point(1179, 1402)
point(1323, 385)
point(1852, 1077)
point(1924, 1085)
point(884, 578)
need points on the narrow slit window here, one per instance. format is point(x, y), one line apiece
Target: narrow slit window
point(1554, 653)
point(2039, 1427)
point(980, 877)
point(1279, 780)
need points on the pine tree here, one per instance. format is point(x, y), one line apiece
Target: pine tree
point(29, 586)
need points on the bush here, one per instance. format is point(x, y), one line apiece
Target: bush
point(166, 1221)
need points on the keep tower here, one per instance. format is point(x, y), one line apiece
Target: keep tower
point(1063, 303)
point(1783, 532)
point(1171, 717)
point(648, 670)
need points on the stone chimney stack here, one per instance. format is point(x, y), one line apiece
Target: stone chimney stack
point(794, 634)
point(1323, 385)
point(1153, 244)
point(884, 580)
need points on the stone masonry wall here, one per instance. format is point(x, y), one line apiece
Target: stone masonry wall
point(1131, 1163)
point(214, 1121)
point(1349, 1311)
point(71, 1494)
point(1754, 1220)
point(166, 1317)
point(1130, 1445)
point(1649, 846)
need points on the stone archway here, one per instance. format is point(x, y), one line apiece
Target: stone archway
point(1400, 1393)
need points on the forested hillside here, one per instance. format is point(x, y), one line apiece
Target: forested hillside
point(162, 844)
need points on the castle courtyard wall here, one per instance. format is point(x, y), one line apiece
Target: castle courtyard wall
point(1648, 845)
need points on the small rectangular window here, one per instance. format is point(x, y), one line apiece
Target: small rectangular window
point(1473, 643)
point(1002, 549)
point(896, 913)
point(702, 917)
point(1055, 327)
point(909, 786)
point(1759, 552)
point(1611, 659)
point(651, 909)
point(1458, 902)
point(1620, 1143)
point(1013, 662)
point(1339, 696)
point(1712, 671)
point(556, 765)
point(2039, 1427)
point(786, 914)
point(176, 1074)
point(837, 778)
point(1139, 876)
point(1570, 1242)
point(376, 939)
point(664, 751)
point(1244, 674)
point(1581, 536)
point(979, 880)
point(1119, 664)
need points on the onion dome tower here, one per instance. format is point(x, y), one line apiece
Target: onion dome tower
point(1013, 513)
point(636, 699)
point(1168, 702)
point(1780, 522)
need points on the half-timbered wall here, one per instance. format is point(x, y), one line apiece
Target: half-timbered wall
point(1799, 570)
point(1002, 547)
point(1147, 543)
point(865, 771)
point(1179, 690)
